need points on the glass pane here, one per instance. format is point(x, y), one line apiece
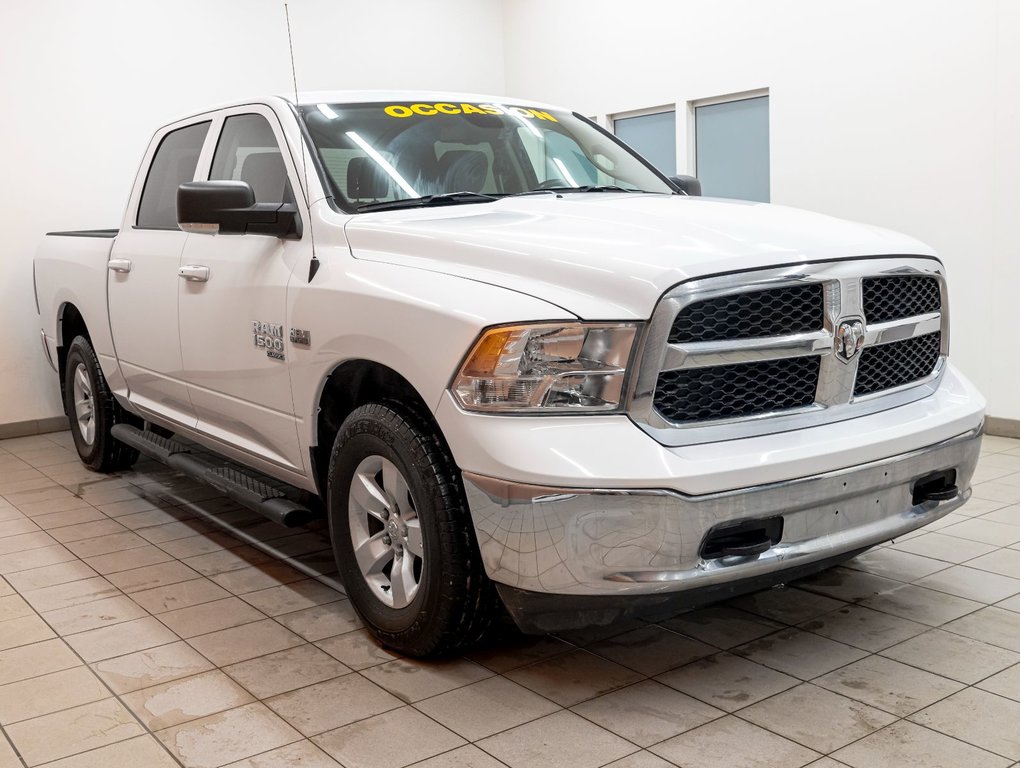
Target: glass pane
point(653, 136)
point(173, 164)
point(733, 149)
point(247, 151)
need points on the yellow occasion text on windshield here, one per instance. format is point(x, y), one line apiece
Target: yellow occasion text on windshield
point(445, 108)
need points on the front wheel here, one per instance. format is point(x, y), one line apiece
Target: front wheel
point(93, 411)
point(402, 534)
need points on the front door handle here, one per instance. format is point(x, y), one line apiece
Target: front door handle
point(194, 272)
point(119, 265)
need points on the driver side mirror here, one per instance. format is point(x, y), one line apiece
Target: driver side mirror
point(688, 184)
point(229, 208)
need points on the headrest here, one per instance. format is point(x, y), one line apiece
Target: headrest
point(463, 170)
point(267, 174)
point(366, 180)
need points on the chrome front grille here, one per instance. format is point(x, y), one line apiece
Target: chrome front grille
point(766, 351)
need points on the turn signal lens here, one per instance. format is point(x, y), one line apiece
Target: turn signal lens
point(547, 368)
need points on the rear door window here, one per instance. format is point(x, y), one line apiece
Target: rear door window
point(173, 164)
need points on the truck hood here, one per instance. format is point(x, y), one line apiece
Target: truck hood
point(610, 255)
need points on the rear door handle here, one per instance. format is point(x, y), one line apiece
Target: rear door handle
point(119, 265)
point(194, 272)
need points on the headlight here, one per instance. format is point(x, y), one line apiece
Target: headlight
point(548, 367)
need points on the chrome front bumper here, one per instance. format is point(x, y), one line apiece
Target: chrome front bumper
point(612, 543)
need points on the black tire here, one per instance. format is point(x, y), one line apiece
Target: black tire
point(455, 602)
point(103, 453)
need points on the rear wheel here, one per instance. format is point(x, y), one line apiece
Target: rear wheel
point(402, 534)
point(93, 411)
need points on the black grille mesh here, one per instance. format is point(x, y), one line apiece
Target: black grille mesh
point(899, 296)
point(774, 312)
point(730, 391)
point(890, 365)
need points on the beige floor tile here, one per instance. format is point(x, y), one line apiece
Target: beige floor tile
point(985, 531)
point(925, 606)
point(178, 529)
point(49, 693)
point(972, 583)
point(651, 650)
point(262, 576)
point(907, 744)
point(1005, 683)
point(37, 659)
point(287, 598)
point(190, 698)
point(210, 617)
point(847, 584)
point(71, 594)
point(286, 670)
point(1009, 515)
point(798, 653)
point(182, 595)
point(140, 752)
point(81, 512)
point(8, 759)
point(994, 491)
point(942, 547)
point(144, 669)
point(647, 713)
point(126, 504)
point(893, 564)
point(723, 626)
point(728, 682)
point(14, 607)
point(105, 545)
point(817, 718)
point(573, 677)
point(229, 646)
point(508, 651)
point(154, 517)
point(332, 704)
point(226, 560)
point(889, 685)
point(22, 631)
point(728, 742)
point(413, 680)
point(89, 530)
point(301, 754)
point(322, 621)
point(369, 743)
point(562, 739)
point(50, 575)
point(17, 526)
point(208, 543)
point(864, 628)
point(228, 736)
point(120, 639)
point(128, 560)
point(468, 756)
point(73, 730)
point(1005, 562)
point(358, 649)
point(953, 656)
point(979, 718)
point(25, 542)
point(486, 707)
point(787, 604)
point(997, 626)
point(98, 613)
point(152, 576)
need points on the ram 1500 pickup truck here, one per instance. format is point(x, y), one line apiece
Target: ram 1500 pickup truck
point(510, 361)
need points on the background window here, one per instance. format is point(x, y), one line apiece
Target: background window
point(173, 164)
point(247, 151)
point(732, 148)
point(651, 136)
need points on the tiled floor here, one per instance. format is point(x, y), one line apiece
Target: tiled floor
point(134, 634)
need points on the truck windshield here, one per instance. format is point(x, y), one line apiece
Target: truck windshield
point(377, 155)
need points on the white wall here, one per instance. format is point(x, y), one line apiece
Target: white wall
point(903, 114)
point(84, 84)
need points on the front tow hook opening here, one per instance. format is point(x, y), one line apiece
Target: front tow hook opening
point(938, 486)
point(746, 538)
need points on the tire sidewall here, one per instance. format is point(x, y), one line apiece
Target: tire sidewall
point(79, 354)
point(363, 436)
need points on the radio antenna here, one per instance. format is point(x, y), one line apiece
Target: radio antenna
point(313, 266)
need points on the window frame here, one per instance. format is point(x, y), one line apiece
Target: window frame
point(661, 109)
point(689, 137)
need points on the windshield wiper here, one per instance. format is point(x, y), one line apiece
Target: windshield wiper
point(583, 188)
point(447, 198)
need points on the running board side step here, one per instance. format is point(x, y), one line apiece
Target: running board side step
point(232, 481)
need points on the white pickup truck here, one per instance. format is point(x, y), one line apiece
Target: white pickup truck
point(508, 359)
